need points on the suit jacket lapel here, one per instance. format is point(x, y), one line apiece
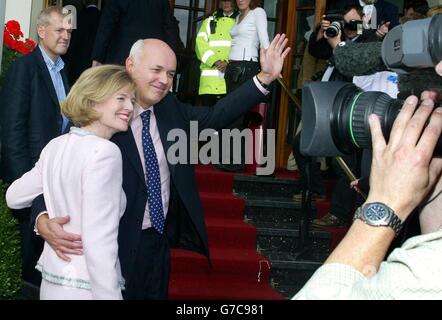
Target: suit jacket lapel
point(65, 81)
point(129, 148)
point(163, 129)
point(47, 77)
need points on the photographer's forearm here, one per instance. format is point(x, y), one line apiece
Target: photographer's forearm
point(364, 247)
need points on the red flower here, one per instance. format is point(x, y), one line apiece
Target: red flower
point(12, 38)
point(8, 40)
point(14, 46)
point(21, 47)
point(30, 43)
point(14, 29)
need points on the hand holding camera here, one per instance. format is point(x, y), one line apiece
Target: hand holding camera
point(413, 138)
point(324, 26)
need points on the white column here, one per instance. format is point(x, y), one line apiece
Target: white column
point(20, 11)
point(37, 6)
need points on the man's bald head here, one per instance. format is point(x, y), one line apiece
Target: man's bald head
point(152, 64)
point(142, 47)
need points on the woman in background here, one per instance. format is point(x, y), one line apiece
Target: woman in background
point(249, 34)
point(80, 174)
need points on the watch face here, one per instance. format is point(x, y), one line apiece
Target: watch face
point(376, 212)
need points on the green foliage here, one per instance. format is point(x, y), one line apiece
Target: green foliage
point(9, 56)
point(10, 258)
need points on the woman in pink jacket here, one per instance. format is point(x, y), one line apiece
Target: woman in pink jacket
point(80, 174)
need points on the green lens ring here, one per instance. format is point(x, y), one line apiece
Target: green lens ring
point(351, 118)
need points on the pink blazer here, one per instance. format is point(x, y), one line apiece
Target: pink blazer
point(80, 175)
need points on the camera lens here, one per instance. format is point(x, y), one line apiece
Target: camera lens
point(350, 112)
point(349, 118)
point(333, 30)
point(335, 118)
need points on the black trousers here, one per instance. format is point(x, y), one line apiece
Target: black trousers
point(150, 280)
point(238, 72)
point(343, 196)
point(209, 100)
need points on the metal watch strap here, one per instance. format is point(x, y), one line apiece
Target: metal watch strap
point(395, 223)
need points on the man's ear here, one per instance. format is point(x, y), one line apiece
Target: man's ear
point(41, 31)
point(129, 64)
point(439, 68)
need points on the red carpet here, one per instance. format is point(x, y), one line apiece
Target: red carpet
point(238, 272)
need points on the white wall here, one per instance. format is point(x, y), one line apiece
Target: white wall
point(20, 11)
point(2, 16)
point(37, 6)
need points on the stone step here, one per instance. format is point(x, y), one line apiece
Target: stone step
point(289, 276)
point(258, 186)
point(285, 238)
point(273, 210)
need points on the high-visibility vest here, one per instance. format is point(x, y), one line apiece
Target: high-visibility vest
point(211, 47)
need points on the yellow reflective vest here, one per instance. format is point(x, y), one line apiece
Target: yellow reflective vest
point(211, 47)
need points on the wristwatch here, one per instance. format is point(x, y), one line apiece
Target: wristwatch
point(265, 86)
point(379, 215)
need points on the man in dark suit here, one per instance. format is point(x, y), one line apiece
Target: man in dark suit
point(143, 246)
point(125, 21)
point(385, 11)
point(79, 56)
point(30, 114)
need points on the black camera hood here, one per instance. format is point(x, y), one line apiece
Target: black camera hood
point(316, 133)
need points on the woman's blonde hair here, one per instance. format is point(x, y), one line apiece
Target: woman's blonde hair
point(95, 85)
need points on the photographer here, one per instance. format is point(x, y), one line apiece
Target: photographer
point(403, 175)
point(386, 12)
point(321, 45)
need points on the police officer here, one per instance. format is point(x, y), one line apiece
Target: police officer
point(212, 48)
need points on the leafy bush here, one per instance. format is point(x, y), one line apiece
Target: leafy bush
point(10, 258)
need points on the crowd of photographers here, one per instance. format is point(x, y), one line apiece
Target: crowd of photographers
point(352, 45)
point(403, 166)
point(405, 175)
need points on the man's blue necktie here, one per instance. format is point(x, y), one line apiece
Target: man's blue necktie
point(153, 180)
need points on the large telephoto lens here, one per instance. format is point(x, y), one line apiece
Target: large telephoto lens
point(349, 117)
point(335, 118)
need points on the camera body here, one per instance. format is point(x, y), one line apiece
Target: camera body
point(354, 25)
